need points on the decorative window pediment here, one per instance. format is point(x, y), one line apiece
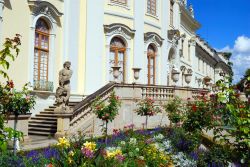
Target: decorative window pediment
point(46, 8)
point(120, 29)
point(152, 37)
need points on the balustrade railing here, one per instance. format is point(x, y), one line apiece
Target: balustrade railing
point(157, 93)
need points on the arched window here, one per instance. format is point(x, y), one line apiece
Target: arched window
point(117, 57)
point(151, 55)
point(41, 51)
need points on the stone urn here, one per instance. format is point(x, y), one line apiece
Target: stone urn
point(175, 75)
point(188, 78)
point(136, 73)
point(116, 72)
point(206, 80)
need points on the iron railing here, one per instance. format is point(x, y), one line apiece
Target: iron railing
point(43, 85)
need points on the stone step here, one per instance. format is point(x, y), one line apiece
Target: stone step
point(43, 118)
point(47, 112)
point(31, 124)
point(49, 109)
point(43, 129)
point(40, 133)
point(43, 121)
point(50, 115)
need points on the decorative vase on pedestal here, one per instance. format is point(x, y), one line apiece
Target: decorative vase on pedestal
point(116, 72)
point(175, 75)
point(188, 78)
point(136, 73)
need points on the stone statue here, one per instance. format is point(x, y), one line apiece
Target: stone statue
point(63, 91)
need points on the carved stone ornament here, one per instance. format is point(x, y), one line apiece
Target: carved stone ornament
point(192, 41)
point(63, 90)
point(46, 8)
point(119, 29)
point(152, 37)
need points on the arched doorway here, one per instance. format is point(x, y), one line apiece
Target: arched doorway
point(117, 57)
point(151, 56)
point(41, 51)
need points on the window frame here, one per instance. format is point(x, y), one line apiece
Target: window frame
point(39, 49)
point(149, 8)
point(118, 50)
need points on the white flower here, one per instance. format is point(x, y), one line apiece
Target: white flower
point(123, 143)
point(159, 137)
point(133, 141)
point(141, 157)
point(137, 149)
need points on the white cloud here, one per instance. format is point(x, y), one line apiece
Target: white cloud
point(240, 56)
point(242, 44)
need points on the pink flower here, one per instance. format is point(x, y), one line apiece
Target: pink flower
point(120, 158)
point(87, 153)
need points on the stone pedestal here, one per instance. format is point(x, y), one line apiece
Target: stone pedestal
point(63, 120)
point(21, 124)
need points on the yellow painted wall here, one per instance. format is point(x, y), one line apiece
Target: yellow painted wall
point(15, 21)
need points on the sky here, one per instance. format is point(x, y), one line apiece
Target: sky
point(225, 25)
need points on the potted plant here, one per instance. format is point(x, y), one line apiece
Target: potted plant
point(106, 111)
point(146, 108)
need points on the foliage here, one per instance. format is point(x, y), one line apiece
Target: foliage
point(235, 116)
point(107, 112)
point(11, 101)
point(174, 110)
point(198, 115)
point(146, 107)
point(16, 102)
point(10, 46)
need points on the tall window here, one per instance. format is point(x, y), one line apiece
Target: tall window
point(171, 12)
point(41, 51)
point(121, 2)
point(151, 7)
point(117, 57)
point(151, 55)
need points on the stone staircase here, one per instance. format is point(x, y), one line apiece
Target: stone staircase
point(45, 123)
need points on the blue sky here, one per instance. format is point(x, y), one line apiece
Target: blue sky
point(226, 27)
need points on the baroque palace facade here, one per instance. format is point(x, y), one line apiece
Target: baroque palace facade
point(158, 36)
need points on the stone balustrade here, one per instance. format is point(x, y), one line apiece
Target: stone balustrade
point(84, 120)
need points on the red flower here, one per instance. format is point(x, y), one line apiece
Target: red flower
point(10, 84)
point(49, 165)
point(241, 106)
point(194, 108)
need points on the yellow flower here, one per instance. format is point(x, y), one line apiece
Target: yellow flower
point(112, 154)
point(70, 160)
point(71, 153)
point(163, 157)
point(63, 142)
point(90, 145)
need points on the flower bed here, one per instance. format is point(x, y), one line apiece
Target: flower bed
point(155, 147)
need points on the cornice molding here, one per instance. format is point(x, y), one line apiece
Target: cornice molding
point(153, 38)
point(46, 8)
point(118, 28)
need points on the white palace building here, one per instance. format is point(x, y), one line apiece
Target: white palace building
point(157, 36)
